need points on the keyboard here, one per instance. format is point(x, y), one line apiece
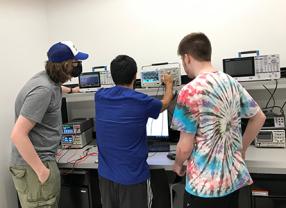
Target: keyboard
point(158, 147)
point(84, 90)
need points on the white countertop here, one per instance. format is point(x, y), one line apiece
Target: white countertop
point(258, 160)
point(266, 160)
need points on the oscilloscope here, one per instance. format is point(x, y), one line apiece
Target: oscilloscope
point(151, 75)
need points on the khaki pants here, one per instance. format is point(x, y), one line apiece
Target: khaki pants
point(31, 192)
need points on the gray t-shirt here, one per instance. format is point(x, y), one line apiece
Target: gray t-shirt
point(40, 101)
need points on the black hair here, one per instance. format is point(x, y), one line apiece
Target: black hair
point(123, 70)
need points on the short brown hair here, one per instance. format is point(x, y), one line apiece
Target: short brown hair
point(58, 72)
point(196, 44)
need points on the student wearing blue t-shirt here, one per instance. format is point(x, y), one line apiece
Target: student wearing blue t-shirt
point(121, 117)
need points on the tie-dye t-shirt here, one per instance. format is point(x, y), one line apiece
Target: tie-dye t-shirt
point(211, 107)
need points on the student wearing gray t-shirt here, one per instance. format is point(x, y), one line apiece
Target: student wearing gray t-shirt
point(37, 130)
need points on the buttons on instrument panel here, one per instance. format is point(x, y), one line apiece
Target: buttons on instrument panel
point(175, 75)
point(77, 140)
point(279, 137)
point(267, 63)
point(280, 122)
point(272, 138)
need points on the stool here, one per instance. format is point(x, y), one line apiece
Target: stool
point(177, 195)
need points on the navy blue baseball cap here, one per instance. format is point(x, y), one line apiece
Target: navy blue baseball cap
point(63, 51)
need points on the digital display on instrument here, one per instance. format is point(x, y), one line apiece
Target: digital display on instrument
point(149, 77)
point(239, 67)
point(265, 135)
point(67, 139)
point(269, 122)
point(68, 129)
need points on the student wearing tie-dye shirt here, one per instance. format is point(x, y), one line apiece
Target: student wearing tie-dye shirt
point(208, 115)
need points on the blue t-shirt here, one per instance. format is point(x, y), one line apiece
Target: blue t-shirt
point(120, 118)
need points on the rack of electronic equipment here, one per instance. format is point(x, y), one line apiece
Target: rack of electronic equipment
point(254, 72)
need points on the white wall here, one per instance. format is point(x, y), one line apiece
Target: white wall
point(23, 41)
point(150, 30)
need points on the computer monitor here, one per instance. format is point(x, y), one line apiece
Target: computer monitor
point(243, 69)
point(89, 80)
point(158, 129)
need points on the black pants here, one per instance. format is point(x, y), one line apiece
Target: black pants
point(229, 201)
point(114, 195)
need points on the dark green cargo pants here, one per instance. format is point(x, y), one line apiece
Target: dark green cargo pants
point(31, 192)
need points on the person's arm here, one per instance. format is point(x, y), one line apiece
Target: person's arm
point(249, 109)
point(66, 89)
point(168, 96)
point(20, 138)
point(183, 152)
point(253, 127)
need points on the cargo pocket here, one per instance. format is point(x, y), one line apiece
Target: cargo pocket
point(42, 195)
point(34, 187)
point(51, 188)
point(18, 176)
